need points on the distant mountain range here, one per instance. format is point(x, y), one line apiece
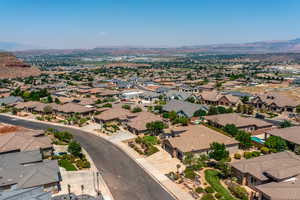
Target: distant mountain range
point(254, 47)
point(284, 46)
point(13, 46)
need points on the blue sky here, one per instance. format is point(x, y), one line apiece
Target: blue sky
point(91, 23)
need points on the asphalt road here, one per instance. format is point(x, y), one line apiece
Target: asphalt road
point(124, 177)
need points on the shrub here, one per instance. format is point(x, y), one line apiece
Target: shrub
point(237, 156)
point(189, 173)
point(107, 105)
point(297, 150)
point(74, 148)
point(126, 106)
point(207, 197)
point(136, 109)
point(238, 191)
point(252, 154)
point(209, 189)
point(218, 195)
point(199, 190)
point(151, 150)
point(255, 153)
point(264, 150)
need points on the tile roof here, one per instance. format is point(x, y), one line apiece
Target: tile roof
point(27, 169)
point(277, 165)
point(23, 141)
point(188, 108)
point(197, 137)
point(139, 122)
point(236, 119)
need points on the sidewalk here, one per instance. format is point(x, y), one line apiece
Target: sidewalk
point(167, 184)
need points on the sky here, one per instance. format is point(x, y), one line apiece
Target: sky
point(65, 24)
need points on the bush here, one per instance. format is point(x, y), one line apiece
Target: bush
point(237, 156)
point(264, 150)
point(252, 154)
point(189, 173)
point(199, 190)
point(82, 164)
point(209, 189)
point(74, 148)
point(218, 195)
point(238, 191)
point(151, 150)
point(107, 105)
point(126, 106)
point(136, 109)
point(207, 197)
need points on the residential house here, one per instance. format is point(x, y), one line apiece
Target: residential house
point(249, 124)
point(217, 99)
point(174, 94)
point(195, 139)
point(10, 100)
point(116, 113)
point(21, 139)
point(137, 124)
point(183, 108)
point(275, 102)
point(272, 177)
point(59, 109)
point(21, 170)
point(149, 96)
point(34, 193)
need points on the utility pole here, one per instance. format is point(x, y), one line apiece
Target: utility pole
point(82, 188)
point(69, 191)
point(98, 189)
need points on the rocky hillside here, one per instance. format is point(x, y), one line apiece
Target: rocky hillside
point(11, 67)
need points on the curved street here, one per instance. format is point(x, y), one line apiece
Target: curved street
point(124, 177)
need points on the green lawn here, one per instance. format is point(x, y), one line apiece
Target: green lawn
point(150, 139)
point(213, 179)
point(67, 165)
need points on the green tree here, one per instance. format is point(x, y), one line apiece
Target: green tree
point(244, 138)
point(190, 99)
point(245, 99)
point(221, 110)
point(276, 143)
point(188, 158)
point(212, 110)
point(231, 129)
point(298, 109)
point(74, 148)
point(218, 151)
point(156, 127)
point(199, 113)
point(49, 99)
point(285, 124)
point(57, 101)
point(47, 109)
